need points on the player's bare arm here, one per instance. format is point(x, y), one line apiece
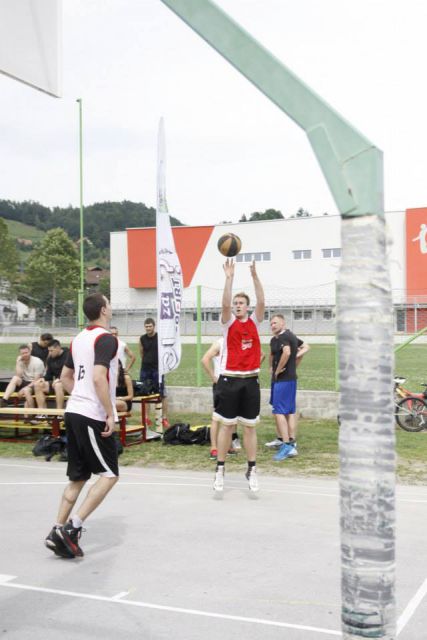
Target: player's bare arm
point(286, 354)
point(131, 358)
point(228, 288)
point(259, 293)
point(67, 378)
point(102, 389)
point(211, 353)
point(302, 350)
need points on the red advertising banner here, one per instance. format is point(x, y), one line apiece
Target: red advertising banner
point(190, 243)
point(416, 255)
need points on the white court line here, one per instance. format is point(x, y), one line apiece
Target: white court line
point(411, 607)
point(319, 491)
point(199, 484)
point(5, 581)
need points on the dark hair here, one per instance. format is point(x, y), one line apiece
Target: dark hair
point(46, 336)
point(24, 346)
point(242, 295)
point(111, 328)
point(93, 304)
point(149, 321)
point(55, 343)
point(121, 375)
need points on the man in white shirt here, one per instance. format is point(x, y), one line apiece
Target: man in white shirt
point(90, 376)
point(123, 352)
point(28, 370)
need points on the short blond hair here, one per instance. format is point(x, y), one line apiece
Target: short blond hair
point(242, 294)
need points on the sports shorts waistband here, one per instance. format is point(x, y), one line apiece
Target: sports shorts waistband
point(239, 375)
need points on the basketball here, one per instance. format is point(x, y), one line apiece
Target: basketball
point(229, 245)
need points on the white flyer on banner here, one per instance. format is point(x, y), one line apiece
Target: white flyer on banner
point(169, 274)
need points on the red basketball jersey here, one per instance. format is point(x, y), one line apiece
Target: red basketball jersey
point(241, 352)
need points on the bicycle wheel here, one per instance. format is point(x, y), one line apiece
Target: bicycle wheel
point(411, 414)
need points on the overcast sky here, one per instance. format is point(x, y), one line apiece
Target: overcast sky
point(229, 149)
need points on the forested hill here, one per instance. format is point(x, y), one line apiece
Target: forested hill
point(99, 218)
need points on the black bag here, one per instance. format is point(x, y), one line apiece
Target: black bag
point(195, 435)
point(145, 388)
point(48, 446)
point(172, 434)
point(182, 433)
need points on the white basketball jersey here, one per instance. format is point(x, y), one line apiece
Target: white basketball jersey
point(216, 360)
point(84, 399)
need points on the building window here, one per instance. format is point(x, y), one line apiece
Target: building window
point(327, 314)
point(259, 256)
point(302, 254)
point(332, 253)
point(215, 316)
point(303, 315)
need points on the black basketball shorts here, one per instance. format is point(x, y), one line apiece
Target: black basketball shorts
point(88, 451)
point(237, 400)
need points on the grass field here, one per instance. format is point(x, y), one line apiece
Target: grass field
point(317, 370)
point(318, 439)
point(317, 445)
point(21, 230)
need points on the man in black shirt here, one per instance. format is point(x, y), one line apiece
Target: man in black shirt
point(149, 375)
point(285, 355)
point(40, 348)
point(51, 382)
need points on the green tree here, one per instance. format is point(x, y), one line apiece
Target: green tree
point(268, 214)
point(301, 213)
point(53, 271)
point(9, 257)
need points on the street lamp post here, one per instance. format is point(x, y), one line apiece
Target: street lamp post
point(81, 321)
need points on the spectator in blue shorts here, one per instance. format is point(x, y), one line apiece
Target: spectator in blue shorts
point(286, 351)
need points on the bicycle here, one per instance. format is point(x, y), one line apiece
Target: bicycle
point(411, 408)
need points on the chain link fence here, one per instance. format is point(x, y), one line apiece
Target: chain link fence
point(308, 311)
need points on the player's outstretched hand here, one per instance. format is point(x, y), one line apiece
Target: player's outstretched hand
point(252, 267)
point(229, 268)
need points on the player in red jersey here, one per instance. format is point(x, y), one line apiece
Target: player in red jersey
point(237, 391)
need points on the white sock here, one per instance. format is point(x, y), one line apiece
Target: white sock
point(77, 522)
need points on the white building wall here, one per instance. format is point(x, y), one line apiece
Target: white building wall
point(286, 281)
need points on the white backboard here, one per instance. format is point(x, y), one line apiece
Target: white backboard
point(30, 42)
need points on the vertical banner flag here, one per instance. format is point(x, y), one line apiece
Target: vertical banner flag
point(169, 274)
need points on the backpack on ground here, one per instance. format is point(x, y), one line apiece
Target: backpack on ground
point(182, 433)
point(49, 446)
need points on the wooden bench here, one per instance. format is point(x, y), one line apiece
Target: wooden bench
point(56, 416)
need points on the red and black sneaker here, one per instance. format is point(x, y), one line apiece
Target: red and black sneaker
point(55, 543)
point(70, 536)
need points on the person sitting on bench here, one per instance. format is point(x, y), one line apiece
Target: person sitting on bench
point(51, 383)
point(28, 370)
point(124, 390)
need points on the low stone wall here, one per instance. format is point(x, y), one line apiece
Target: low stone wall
point(310, 404)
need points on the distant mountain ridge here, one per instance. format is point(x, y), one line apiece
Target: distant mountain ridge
point(99, 218)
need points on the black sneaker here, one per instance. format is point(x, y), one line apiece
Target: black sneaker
point(54, 543)
point(70, 536)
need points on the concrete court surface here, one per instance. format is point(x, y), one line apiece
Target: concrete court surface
point(164, 559)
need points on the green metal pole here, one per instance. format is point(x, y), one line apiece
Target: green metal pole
point(199, 335)
point(81, 319)
point(409, 340)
